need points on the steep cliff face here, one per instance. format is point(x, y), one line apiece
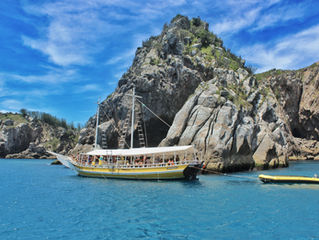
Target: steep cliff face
point(24, 137)
point(166, 71)
point(233, 124)
point(298, 94)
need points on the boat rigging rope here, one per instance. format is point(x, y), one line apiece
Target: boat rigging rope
point(144, 124)
point(153, 113)
point(143, 105)
point(116, 129)
point(224, 174)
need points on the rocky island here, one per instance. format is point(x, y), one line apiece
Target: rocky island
point(237, 120)
point(25, 136)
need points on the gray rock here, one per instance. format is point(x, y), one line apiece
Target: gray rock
point(224, 93)
point(32, 138)
point(197, 45)
point(163, 76)
point(37, 149)
point(187, 40)
point(8, 122)
point(194, 52)
point(230, 137)
point(180, 22)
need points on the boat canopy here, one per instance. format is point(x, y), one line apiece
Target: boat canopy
point(141, 151)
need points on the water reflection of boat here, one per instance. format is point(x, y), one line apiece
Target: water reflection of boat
point(288, 179)
point(173, 162)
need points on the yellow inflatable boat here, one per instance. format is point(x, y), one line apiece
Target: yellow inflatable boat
point(288, 179)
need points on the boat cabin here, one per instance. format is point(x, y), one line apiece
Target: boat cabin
point(139, 157)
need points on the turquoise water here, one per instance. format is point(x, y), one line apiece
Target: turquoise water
point(39, 201)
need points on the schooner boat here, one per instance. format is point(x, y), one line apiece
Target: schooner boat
point(173, 162)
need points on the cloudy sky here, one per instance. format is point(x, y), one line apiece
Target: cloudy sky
point(61, 56)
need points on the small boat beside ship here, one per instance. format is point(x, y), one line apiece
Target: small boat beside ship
point(288, 179)
point(172, 162)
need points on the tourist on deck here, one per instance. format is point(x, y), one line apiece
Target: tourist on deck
point(101, 160)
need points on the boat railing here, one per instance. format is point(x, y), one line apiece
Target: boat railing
point(144, 165)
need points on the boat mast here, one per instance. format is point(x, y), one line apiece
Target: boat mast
point(132, 124)
point(97, 124)
point(133, 113)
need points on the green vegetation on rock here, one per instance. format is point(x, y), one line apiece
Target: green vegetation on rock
point(155, 61)
point(52, 143)
point(272, 72)
point(17, 118)
point(49, 119)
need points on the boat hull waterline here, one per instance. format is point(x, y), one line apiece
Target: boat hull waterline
point(288, 179)
point(134, 173)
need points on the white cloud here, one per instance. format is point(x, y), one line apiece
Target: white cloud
point(280, 16)
point(4, 111)
point(75, 31)
point(79, 29)
point(112, 83)
point(293, 51)
point(34, 93)
point(11, 104)
point(59, 54)
point(234, 24)
point(88, 88)
point(244, 4)
point(256, 15)
point(53, 76)
point(124, 57)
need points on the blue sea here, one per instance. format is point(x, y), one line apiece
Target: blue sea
point(40, 201)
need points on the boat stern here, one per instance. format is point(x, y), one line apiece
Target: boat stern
point(191, 171)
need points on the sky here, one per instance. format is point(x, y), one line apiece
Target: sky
point(60, 57)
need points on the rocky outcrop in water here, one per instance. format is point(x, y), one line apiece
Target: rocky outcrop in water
point(24, 137)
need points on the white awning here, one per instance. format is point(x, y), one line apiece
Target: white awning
point(141, 151)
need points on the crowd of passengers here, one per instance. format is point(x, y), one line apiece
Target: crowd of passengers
point(141, 161)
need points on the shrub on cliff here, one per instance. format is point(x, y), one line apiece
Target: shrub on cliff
point(205, 37)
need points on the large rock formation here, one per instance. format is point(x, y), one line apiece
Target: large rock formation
point(166, 70)
point(298, 94)
point(25, 137)
point(235, 120)
point(232, 124)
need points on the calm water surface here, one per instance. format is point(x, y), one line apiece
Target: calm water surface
point(39, 201)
